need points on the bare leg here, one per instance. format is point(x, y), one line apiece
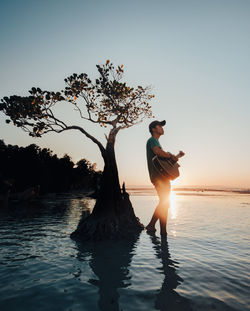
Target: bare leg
point(161, 211)
point(154, 218)
point(164, 220)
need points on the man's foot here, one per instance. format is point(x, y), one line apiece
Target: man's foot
point(164, 233)
point(150, 228)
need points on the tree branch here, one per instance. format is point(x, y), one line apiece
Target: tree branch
point(76, 127)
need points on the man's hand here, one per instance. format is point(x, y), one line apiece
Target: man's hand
point(174, 158)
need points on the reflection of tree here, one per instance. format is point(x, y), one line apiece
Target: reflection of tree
point(168, 298)
point(109, 261)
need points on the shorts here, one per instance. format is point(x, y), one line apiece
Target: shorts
point(163, 188)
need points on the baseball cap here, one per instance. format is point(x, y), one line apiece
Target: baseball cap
point(154, 123)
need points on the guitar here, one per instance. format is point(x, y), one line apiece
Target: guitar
point(167, 167)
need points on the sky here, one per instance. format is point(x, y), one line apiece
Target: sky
point(193, 53)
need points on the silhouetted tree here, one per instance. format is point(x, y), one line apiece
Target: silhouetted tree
point(85, 175)
point(31, 165)
point(106, 102)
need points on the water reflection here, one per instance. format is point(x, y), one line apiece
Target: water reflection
point(27, 229)
point(60, 207)
point(36, 231)
point(168, 298)
point(110, 261)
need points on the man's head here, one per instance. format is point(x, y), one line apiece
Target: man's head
point(156, 127)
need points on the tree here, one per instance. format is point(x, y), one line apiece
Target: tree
point(108, 102)
point(31, 165)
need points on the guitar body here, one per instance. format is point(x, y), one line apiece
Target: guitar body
point(166, 167)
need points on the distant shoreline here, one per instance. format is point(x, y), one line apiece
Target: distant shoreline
point(196, 189)
point(242, 191)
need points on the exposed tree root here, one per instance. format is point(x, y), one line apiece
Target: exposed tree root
point(119, 225)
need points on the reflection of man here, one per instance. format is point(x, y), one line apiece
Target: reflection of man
point(167, 298)
point(162, 184)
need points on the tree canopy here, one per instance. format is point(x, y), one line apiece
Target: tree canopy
point(106, 101)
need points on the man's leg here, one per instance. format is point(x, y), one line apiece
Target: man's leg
point(151, 226)
point(164, 195)
point(163, 189)
point(164, 219)
point(155, 217)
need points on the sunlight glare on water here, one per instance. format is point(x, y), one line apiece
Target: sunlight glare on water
point(173, 207)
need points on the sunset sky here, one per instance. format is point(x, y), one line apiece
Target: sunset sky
point(194, 54)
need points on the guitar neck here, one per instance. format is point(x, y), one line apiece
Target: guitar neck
point(180, 154)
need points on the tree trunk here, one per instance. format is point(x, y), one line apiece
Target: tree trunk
point(113, 215)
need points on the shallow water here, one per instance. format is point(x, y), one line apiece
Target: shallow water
point(203, 265)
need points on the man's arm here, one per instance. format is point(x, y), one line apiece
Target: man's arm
point(158, 151)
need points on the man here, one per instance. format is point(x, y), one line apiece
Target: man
point(162, 184)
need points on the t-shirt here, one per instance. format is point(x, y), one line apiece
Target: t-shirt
point(152, 142)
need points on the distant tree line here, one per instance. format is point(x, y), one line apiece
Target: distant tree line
point(31, 165)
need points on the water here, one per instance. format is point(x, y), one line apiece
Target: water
point(203, 265)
